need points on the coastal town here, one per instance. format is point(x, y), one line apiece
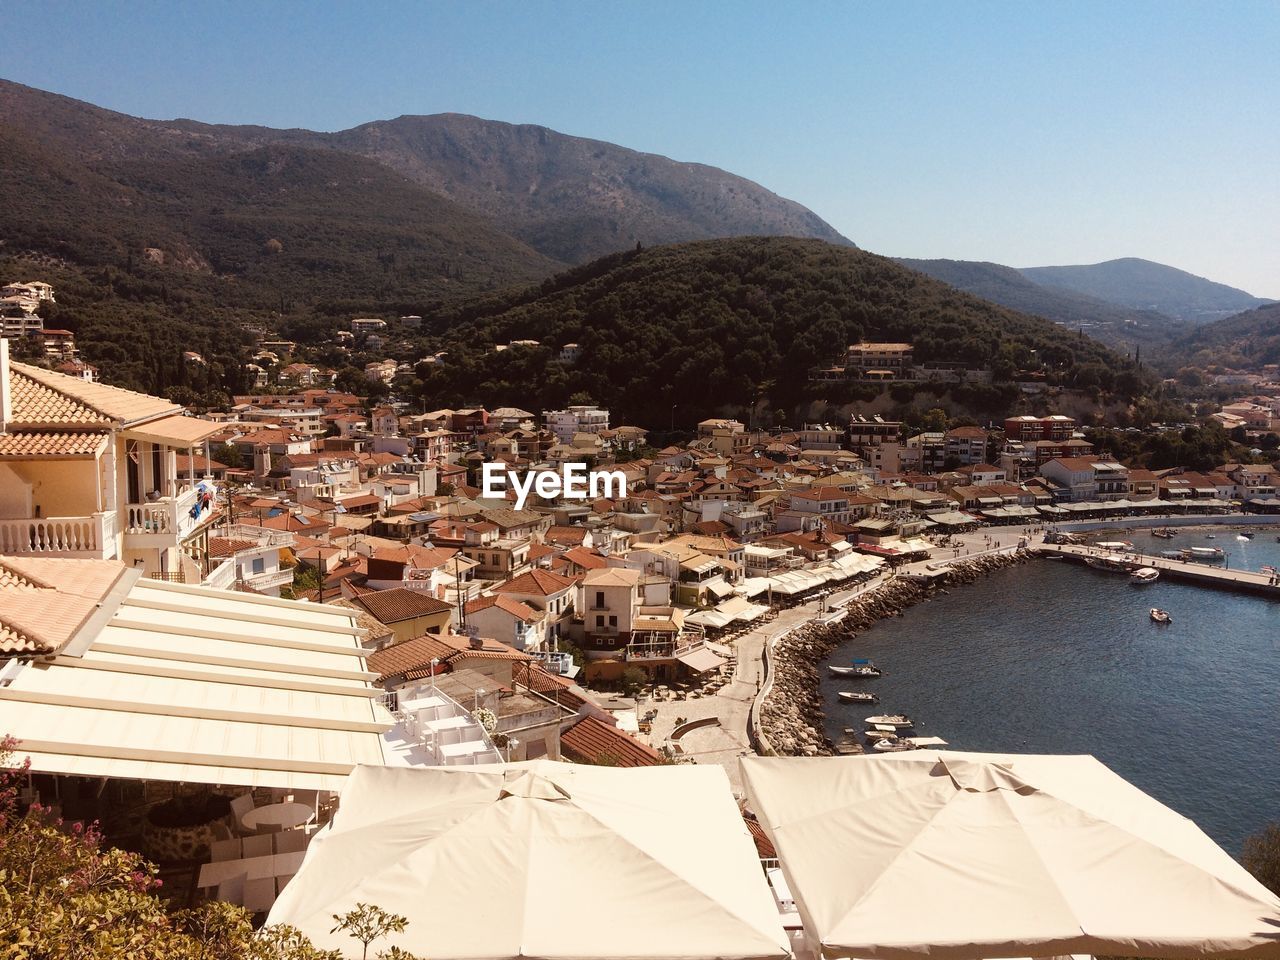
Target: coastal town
point(415, 603)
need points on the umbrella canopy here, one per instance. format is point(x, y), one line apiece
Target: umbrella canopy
point(963, 855)
point(541, 859)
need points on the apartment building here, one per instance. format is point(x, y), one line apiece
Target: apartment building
point(90, 471)
point(878, 361)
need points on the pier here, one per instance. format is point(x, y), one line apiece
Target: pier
point(1249, 581)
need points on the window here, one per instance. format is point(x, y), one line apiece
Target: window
point(599, 621)
point(259, 565)
point(599, 598)
point(613, 621)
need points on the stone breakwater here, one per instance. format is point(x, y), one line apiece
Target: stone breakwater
point(791, 716)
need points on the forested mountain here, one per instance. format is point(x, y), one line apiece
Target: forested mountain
point(1143, 285)
point(1247, 340)
point(1120, 327)
point(570, 198)
point(712, 326)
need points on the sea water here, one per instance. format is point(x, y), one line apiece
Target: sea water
point(1054, 657)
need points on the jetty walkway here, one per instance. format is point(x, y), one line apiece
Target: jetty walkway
point(1249, 581)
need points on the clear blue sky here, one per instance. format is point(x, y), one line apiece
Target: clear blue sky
point(1023, 133)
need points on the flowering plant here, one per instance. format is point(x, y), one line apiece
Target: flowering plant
point(487, 719)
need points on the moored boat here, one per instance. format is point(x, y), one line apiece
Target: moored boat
point(1112, 563)
point(1164, 534)
point(840, 671)
point(1204, 554)
point(891, 720)
point(856, 696)
point(1144, 575)
point(893, 745)
point(1160, 616)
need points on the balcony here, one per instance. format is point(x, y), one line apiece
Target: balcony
point(165, 522)
point(79, 538)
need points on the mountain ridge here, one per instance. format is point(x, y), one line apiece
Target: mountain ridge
point(1140, 284)
point(572, 199)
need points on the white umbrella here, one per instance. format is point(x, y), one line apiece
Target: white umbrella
point(960, 856)
point(541, 859)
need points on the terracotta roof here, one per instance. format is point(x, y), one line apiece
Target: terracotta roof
point(397, 604)
point(591, 740)
point(764, 846)
point(226, 546)
point(412, 658)
point(36, 443)
point(78, 400)
point(541, 583)
point(44, 602)
point(584, 558)
point(514, 607)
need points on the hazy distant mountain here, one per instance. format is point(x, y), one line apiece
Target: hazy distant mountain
point(1143, 285)
point(1114, 325)
point(569, 198)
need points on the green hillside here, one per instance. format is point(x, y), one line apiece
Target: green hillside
point(1248, 340)
point(712, 325)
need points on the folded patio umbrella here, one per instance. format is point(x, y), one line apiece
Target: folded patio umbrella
point(962, 855)
point(541, 859)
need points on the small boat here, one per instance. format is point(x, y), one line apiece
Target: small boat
point(1120, 546)
point(1159, 616)
point(1164, 534)
point(841, 671)
point(1211, 536)
point(1111, 564)
point(1204, 554)
point(1171, 554)
point(891, 720)
point(1244, 536)
point(851, 696)
point(1144, 575)
point(893, 745)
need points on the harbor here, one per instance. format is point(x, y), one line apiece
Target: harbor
point(1191, 571)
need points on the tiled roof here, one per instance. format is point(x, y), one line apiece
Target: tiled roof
point(764, 846)
point(227, 546)
point(37, 405)
point(514, 607)
point(39, 443)
point(397, 604)
point(43, 602)
point(585, 558)
point(591, 740)
point(540, 583)
point(412, 658)
point(81, 401)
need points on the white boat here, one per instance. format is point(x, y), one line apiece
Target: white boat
point(1203, 553)
point(1112, 563)
point(852, 696)
point(1144, 575)
point(841, 671)
point(1159, 616)
point(891, 720)
point(1120, 546)
point(893, 745)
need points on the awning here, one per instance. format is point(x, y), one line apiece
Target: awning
point(720, 589)
point(176, 431)
point(701, 660)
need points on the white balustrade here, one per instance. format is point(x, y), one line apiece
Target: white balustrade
point(57, 537)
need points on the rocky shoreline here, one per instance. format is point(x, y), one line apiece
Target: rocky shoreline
point(791, 717)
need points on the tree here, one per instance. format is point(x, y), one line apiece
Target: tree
point(227, 453)
point(935, 421)
point(582, 399)
point(367, 923)
point(633, 680)
point(65, 893)
point(1261, 856)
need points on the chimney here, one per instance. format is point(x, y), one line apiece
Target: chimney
point(6, 398)
point(477, 643)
